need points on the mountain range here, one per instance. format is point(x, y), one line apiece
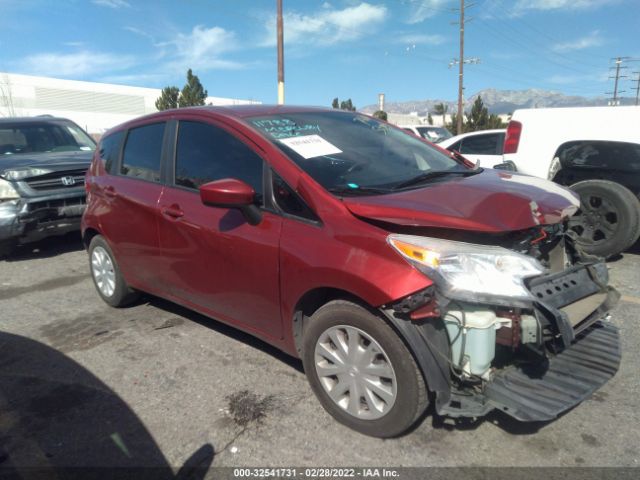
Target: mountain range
point(500, 101)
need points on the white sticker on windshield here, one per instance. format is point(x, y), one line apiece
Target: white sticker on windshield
point(310, 146)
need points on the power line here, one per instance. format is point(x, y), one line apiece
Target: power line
point(637, 82)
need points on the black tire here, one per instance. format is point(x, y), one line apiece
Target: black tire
point(122, 294)
point(608, 221)
point(411, 397)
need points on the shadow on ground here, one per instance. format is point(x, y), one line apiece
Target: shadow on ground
point(46, 248)
point(226, 330)
point(57, 420)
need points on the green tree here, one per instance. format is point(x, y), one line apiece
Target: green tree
point(495, 122)
point(168, 98)
point(335, 103)
point(479, 116)
point(440, 108)
point(453, 125)
point(193, 93)
point(347, 105)
point(430, 119)
point(381, 114)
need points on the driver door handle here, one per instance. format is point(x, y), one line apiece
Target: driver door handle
point(174, 211)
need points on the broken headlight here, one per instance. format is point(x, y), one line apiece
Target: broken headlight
point(465, 271)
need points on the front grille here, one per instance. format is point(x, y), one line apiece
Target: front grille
point(58, 180)
point(56, 204)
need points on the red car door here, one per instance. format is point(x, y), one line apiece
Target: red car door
point(130, 201)
point(213, 260)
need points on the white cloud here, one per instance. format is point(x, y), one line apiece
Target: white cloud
point(202, 49)
point(420, 39)
point(423, 9)
point(522, 5)
point(76, 64)
point(328, 26)
point(592, 40)
point(111, 3)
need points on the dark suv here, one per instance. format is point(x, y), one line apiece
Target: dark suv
point(398, 272)
point(43, 161)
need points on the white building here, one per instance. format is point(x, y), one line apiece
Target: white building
point(96, 107)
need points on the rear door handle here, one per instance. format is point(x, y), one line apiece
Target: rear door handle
point(110, 192)
point(174, 211)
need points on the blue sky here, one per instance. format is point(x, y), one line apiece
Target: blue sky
point(344, 48)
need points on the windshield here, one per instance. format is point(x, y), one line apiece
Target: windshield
point(434, 134)
point(43, 137)
point(350, 151)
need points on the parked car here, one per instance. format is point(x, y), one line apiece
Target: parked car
point(596, 152)
point(483, 147)
point(399, 274)
point(428, 132)
point(43, 161)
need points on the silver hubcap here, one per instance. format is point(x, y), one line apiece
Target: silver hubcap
point(102, 270)
point(355, 372)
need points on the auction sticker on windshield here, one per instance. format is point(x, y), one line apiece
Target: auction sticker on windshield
point(310, 146)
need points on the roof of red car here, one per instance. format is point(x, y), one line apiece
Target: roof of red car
point(243, 111)
point(236, 111)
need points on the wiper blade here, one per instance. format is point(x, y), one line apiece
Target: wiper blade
point(425, 177)
point(358, 190)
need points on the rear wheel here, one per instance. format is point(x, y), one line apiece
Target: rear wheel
point(361, 371)
point(608, 221)
point(106, 275)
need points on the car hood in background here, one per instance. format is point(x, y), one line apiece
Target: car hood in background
point(490, 201)
point(53, 161)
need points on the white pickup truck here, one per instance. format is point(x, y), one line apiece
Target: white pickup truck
point(596, 152)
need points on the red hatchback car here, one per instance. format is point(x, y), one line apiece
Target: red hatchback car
point(399, 273)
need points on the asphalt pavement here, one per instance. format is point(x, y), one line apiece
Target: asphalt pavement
point(155, 384)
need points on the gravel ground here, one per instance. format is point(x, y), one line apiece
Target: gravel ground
point(155, 384)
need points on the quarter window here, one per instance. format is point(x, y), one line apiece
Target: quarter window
point(289, 201)
point(110, 149)
point(206, 153)
point(142, 151)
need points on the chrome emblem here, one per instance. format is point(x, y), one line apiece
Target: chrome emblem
point(68, 181)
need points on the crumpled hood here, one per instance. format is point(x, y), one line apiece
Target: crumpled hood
point(53, 161)
point(491, 201)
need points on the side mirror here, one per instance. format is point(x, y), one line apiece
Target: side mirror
point(232, 193)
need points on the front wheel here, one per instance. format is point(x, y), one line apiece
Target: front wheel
point(361, 371)
point(608, 221)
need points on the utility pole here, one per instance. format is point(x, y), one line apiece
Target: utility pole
point(280, 55)
point(460, 62)
point(461, 69)
point(614, 101)
point(637, 81)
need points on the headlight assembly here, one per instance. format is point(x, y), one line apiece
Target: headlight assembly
point(7, 192)
point(20, 173)
point(465, 271)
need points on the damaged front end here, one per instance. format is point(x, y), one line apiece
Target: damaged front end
point(517, 322)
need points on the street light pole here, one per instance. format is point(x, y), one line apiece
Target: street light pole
point(280, 55)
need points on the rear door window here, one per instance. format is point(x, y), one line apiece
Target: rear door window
point(480, 144)
point(206, 153)
point(142, 152)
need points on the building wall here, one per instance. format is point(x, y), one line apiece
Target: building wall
point(96, 107)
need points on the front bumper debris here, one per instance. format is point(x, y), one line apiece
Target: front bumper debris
point(542, 392)
point(582, 352)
